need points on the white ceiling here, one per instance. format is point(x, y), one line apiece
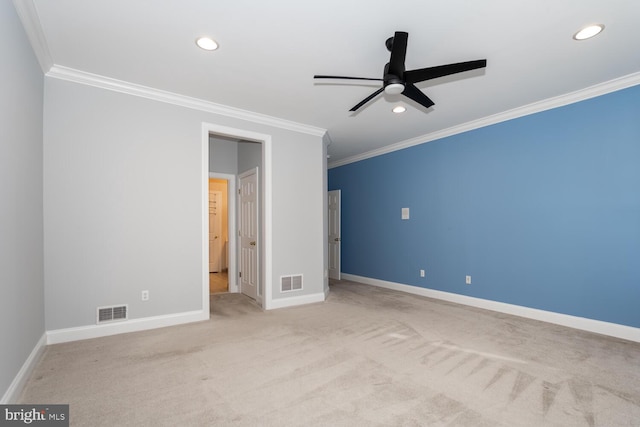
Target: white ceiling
point(269, 52)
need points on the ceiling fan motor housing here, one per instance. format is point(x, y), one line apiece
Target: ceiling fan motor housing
point(393, 84)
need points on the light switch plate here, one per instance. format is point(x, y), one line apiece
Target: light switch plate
point(405, 213)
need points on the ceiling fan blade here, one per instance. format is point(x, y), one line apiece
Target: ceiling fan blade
point(422, 74)
point(367, 99)
point(412, 92)
point(398, 53)
point(344, 77)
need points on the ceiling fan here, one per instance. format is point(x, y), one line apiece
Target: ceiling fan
point(397, 80)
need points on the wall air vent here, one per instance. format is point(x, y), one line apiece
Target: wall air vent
point(291, 283)
point(112, 314)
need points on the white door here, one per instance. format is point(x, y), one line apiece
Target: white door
point(215, 231)
point(334, 234)
point(248, 233)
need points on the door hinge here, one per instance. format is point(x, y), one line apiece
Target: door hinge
point(239, 191)
point(240, 273)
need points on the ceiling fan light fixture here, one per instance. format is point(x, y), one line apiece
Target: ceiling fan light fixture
point(397, 80)
point(206, 43)
point(399, 109)
point(394, 89)
point(588, 32)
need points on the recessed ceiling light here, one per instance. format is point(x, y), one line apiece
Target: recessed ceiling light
point(206, 43)
point(399, 109)
point(588, 32)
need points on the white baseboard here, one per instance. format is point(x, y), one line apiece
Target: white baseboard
point(17, 385)
point(597, 326)
point(95, 331)
point(293, 301)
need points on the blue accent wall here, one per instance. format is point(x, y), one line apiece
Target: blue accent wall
point(542, 211)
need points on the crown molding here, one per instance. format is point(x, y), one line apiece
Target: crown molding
point(28, 15)
point(108, 83)
point(536, 107)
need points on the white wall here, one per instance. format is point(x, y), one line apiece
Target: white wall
point(123, 203)
point(299, 200)
point(21, 235)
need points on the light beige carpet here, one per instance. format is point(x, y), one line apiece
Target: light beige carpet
point(365, 357)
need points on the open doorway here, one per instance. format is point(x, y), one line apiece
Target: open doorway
point(222, 275)
point(231, 156)
point(218, 235)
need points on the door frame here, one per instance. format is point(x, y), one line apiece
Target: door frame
point(266, 192)
point(231, 227)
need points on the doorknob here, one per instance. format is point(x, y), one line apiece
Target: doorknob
point(337, 239)
point(252, 243)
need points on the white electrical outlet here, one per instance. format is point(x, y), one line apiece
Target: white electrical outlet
point(468, 280)
point(145, 295)
point(421, 273)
